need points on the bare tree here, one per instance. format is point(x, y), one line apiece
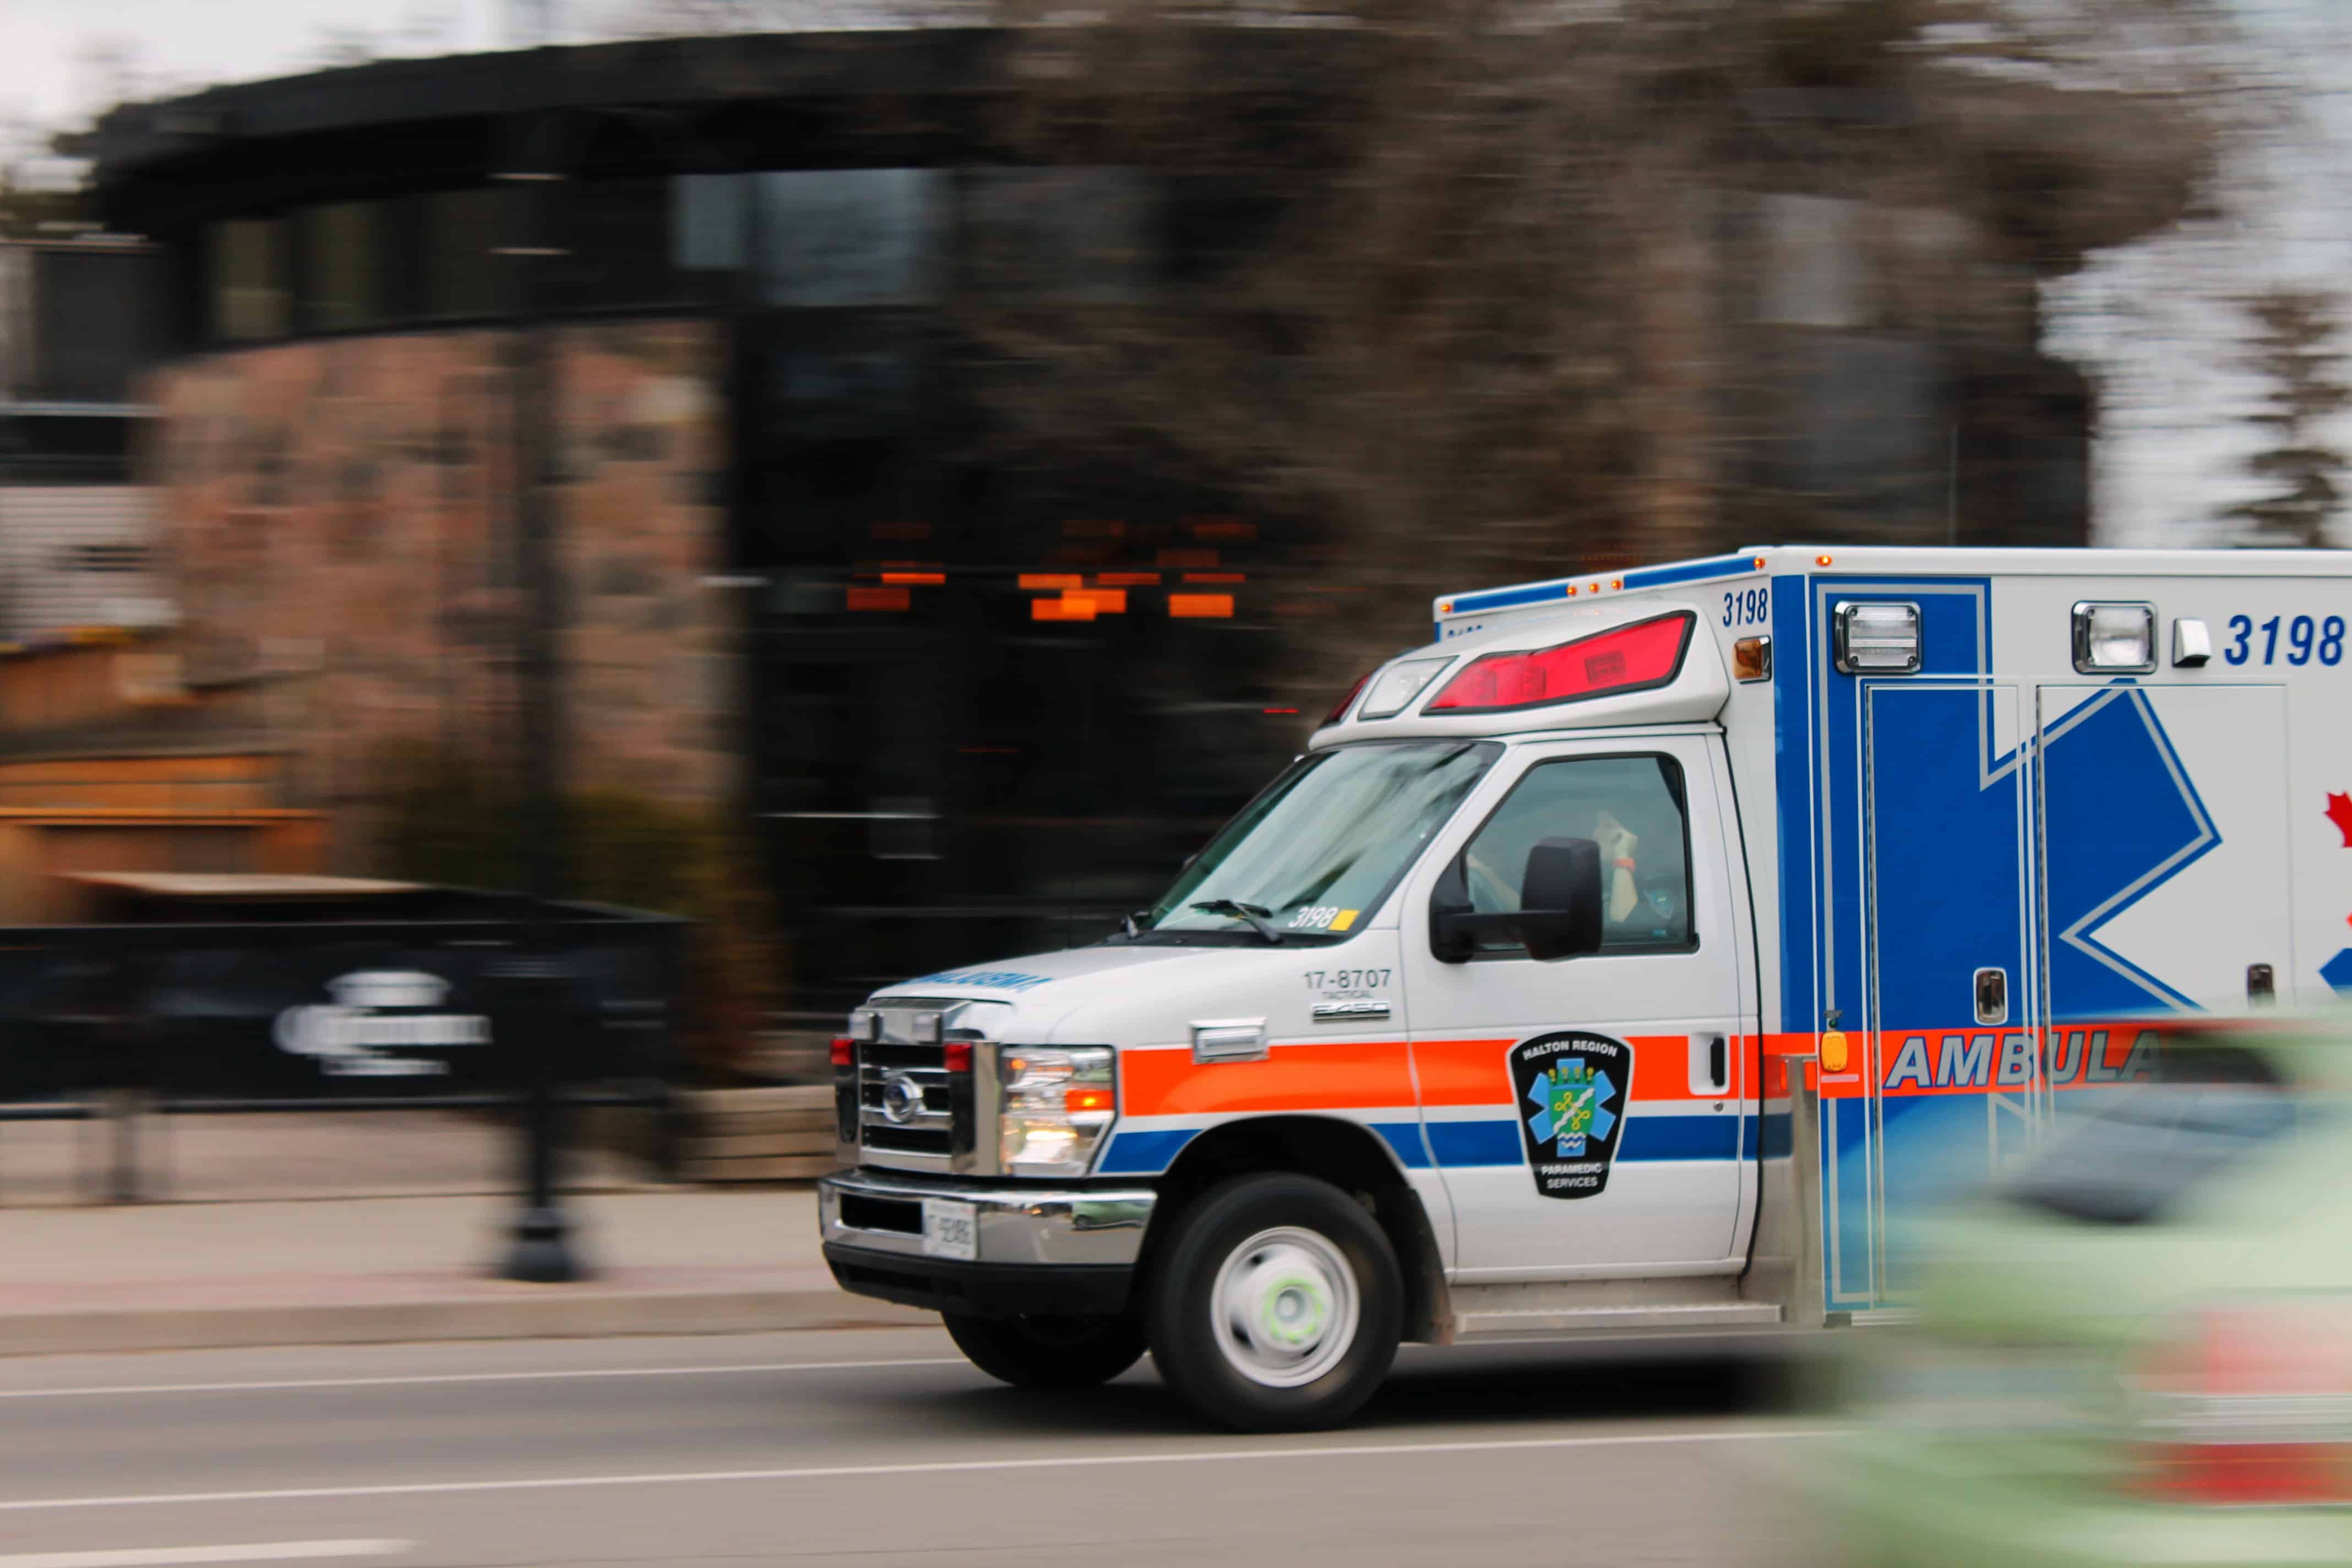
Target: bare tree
point(1484, 314)
point(2295, 350)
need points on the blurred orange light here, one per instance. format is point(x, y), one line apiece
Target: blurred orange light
point(1616, 581)
point(1051, 580)
point(1571, 590)
point(880, 599)
point(1105, 601)
point(1221, 528)
point(917, 579)
point(1081, 1098)
point(1821, 560)
point(1759, 563)
point(1200, 607)
point(1285, 710)
point(1062, 609)
point(1129, 579)
point(1216, 576)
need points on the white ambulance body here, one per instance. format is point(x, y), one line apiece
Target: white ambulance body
point(1633, 957)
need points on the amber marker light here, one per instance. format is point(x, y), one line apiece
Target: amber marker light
point(915, 579)
point(1821, 560)
point(1051, 580)
point(1085, 1098)
point(1200, 607)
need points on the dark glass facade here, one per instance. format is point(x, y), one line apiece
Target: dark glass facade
point(997, 691)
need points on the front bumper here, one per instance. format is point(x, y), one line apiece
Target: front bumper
point(1044, 1249)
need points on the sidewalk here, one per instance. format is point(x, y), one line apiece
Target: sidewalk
point(349, 1270)
point(219, 1158)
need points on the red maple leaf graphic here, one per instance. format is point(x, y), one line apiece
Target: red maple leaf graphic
point(2339, 811)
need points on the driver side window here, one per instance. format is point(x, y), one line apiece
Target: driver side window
point(1632, 806)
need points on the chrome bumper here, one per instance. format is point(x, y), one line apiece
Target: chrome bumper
point(1049, 1228)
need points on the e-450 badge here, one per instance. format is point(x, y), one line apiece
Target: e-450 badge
point(1572, 1097)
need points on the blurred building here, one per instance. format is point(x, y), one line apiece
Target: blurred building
point(78, 321)
point(976, 697)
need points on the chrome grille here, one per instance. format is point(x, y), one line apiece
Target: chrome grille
point(901, 1068)
point(905, 1102)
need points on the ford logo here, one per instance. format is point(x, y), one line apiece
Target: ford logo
point(902, 1099)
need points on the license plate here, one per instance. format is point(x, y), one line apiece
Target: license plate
point(951, 1229)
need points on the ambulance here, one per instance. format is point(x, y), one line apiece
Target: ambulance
point(1630, 958)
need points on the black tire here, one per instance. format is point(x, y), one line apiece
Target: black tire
point(1043, 1351)
point(1261, 1225)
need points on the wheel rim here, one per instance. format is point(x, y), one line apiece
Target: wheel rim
point(1285, 1307)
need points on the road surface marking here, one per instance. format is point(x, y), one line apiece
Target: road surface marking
point(270, 1552)
point(946, 1466)
point(468, 1377)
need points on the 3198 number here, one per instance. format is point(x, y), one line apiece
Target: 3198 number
point(2305, 640)
point(1748, 607)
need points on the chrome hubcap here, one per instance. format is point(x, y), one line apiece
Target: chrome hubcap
point(1285, 1307)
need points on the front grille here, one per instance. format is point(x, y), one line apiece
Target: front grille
point(936, 1142)
point(934, 1118)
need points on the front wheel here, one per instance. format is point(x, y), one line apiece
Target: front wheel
point(1041, 1351)
point(1275, 1305)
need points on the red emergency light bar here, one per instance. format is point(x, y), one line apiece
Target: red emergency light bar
point(1638, 658)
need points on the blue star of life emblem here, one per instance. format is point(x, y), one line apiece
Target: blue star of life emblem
point(1572, 1107)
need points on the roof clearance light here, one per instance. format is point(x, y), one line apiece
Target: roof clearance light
point(1347, 697)
point(1877, 639)
point(1397, 685)
point(2114, 639)
point(1625, 658)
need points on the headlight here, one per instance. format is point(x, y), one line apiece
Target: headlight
point(1057, 1103)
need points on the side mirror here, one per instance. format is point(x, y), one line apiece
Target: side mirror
point(1560, 900)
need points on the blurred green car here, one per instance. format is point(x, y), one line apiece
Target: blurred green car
point(2138, 1348)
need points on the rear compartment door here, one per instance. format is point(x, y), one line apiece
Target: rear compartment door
point(2165, 877)
point(1952, 1042)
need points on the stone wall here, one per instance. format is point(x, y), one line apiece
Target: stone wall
point(335, 521)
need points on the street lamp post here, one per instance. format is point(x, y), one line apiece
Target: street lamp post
point(538, 991)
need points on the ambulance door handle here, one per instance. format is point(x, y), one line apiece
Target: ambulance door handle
point(1710, 1063)
point(1993, 995)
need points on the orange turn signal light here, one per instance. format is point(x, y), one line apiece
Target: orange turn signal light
point(1086, 1099)
point(1751, 658)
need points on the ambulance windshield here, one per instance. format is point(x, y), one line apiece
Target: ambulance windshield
point(1310, 860)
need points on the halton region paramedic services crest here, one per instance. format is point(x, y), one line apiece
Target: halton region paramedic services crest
point(1572, 1097)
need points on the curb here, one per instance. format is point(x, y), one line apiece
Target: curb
point(565, 1312)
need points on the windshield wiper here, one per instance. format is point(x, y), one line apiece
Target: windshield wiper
point(1235, 909)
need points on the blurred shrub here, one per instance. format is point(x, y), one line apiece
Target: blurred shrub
point(445, 819)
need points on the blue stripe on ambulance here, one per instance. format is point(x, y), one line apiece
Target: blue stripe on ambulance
point(1645, 1138)
point(1648, 577)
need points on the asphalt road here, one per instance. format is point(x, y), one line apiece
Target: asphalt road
point(866, 1447)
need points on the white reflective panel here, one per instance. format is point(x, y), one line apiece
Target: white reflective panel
point(1398, 686)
